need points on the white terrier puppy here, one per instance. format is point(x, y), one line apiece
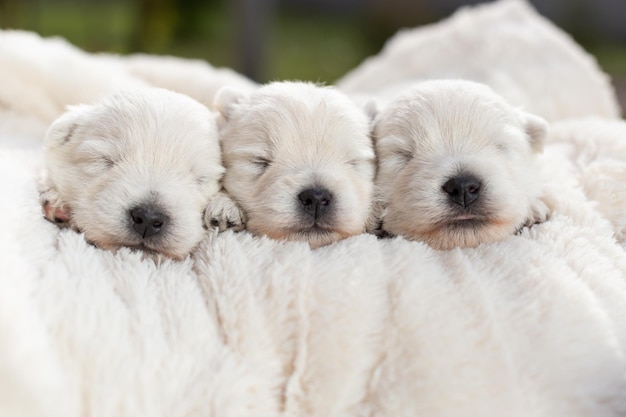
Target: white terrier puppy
point(299, 161)
point(136, 169)
point(456, 165)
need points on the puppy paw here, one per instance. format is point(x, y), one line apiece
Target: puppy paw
point(539, 213)
point(53, 208)
point(223, 213)
point(374, 223)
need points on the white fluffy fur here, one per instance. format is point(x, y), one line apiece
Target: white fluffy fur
point(597, 147)
point(287, 137)
point(506, 45)
point(142, 148)
point(440, 131)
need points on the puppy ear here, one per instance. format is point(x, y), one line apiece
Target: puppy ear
point(537, 130)
point(62, 129)
point(225, 100)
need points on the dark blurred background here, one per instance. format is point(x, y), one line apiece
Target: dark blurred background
point(317, 40)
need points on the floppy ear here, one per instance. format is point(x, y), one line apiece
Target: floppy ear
point(537, 130)
point(62, 129)
point(226, 99)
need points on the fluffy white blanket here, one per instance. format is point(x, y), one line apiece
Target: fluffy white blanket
point(531, 326)
point(506, 45)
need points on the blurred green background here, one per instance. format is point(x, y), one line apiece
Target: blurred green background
point(316, 40)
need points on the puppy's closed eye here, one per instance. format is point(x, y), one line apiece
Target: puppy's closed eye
point(362, 165)
point(398, 158)
point(357, 163)
point(502, 148)
point(402, 155)
point(108, 161)
point(97, 163)
point(261, 163)
point(203, 180)
point(396, 149)
point(99, 153)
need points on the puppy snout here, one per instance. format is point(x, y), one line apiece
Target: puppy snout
point(147, 220)
point(315, 202)
point(463, 190)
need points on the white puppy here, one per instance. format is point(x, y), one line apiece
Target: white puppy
point(299, 161)
point(136, 169)
point(457, 165)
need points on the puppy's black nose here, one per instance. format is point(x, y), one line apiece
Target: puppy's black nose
point(147, 220)
point(315, 202)
point(463, 190)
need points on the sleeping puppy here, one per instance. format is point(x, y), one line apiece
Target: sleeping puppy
point(457, 165)
point(136, 169)
point(299, 161)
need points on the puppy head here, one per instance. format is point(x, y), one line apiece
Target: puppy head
point(456, 164)
point(136, 169)
point(299, 161)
